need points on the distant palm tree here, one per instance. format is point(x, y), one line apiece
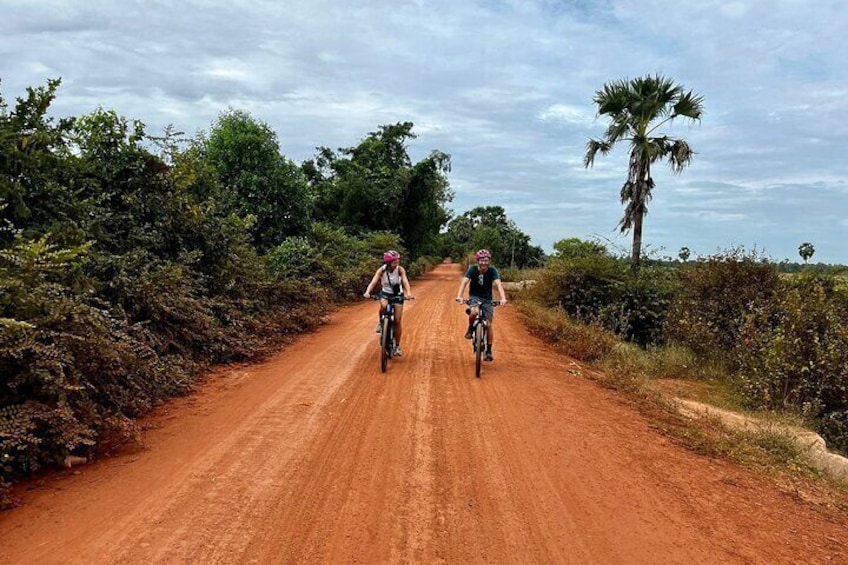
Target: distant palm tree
point(636, 109)
point(806, 250)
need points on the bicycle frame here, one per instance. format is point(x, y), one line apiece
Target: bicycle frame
point(480, 332)
point(387, 334)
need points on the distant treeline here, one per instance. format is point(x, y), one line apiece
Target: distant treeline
point(128, 262)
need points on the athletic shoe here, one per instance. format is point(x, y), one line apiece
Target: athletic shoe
point(379, 328)
point(489, 356)
point(398, 351)
point(470, 333)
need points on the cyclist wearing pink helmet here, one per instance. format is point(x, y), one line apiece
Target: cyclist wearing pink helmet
point(480, 279)
point(394, 286)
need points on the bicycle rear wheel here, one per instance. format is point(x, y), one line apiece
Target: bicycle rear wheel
point(478, 348)
point(386, 344)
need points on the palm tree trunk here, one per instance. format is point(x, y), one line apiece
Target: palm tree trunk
point(636, 251)
point(640, 197)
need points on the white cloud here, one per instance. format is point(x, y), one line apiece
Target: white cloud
point(568, 114)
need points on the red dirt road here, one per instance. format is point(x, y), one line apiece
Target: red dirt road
point(314, 456)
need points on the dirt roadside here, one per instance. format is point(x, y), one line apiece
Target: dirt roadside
point(314, 456)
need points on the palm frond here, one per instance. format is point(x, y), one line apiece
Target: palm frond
point(593, 147)
point(679, 155)
point(689, 105)
point(617, 131)
point(612, 99)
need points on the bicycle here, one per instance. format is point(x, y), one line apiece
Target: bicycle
point(387, 329)
point(480, 332)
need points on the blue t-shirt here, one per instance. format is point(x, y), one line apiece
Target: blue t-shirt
point(481, 283)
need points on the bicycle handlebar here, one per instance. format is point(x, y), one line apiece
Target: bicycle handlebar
point(468, 301)
point(378, 297)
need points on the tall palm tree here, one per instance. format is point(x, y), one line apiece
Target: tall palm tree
point(636, 109)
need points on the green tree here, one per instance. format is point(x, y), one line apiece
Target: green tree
point(636, 109)
point(575, 247)
point(684, 254)
point(256, 178)
point(489, 227)
point(375, 186)
point(423, 212)
point(36, 193)
point(806, 250)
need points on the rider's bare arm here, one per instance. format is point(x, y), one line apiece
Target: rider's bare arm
point(405, 282)
point(462, 285)
point(501, 291)
point(373, 283)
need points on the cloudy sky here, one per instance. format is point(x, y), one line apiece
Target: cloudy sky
point(504, 86)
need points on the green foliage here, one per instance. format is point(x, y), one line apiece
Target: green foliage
point(806, 251)
point(66, 360)
point(574, 248)
point(716, 294)
point(489, 228)
point(256, 179)
point(330, 259)
point(781, 342)
point(582, 286)
point(420, 266)
point(592, 286)
point(794, 354)
point(639, 308)
point(123, 272)
point(374, 186)
point(35, 182)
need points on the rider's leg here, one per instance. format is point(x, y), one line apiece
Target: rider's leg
point(490, 333)
point(473, 311)
point(383, 305)
point(398, 323)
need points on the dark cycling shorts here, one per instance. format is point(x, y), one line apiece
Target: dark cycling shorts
point(485, 305)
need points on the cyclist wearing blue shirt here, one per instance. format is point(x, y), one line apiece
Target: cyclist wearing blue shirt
point(480, 279)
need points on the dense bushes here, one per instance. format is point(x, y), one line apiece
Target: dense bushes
point(784, 341)
point(70, 365)
point(597, 288)
point(715, 295)
point(329, 259)
point(794, 354)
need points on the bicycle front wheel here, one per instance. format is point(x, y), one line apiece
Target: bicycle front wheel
point(479, 345)
point(386, 340)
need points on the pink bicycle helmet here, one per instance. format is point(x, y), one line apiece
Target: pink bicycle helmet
point(390, 256)
point(483, 254)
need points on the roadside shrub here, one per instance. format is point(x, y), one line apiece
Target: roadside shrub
point(794, 354)
point(331, 259)
point(640, 305)
point(581, 286)
point(68, 361)
point(599, 289)
point(420, 266)
point(715, 295)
